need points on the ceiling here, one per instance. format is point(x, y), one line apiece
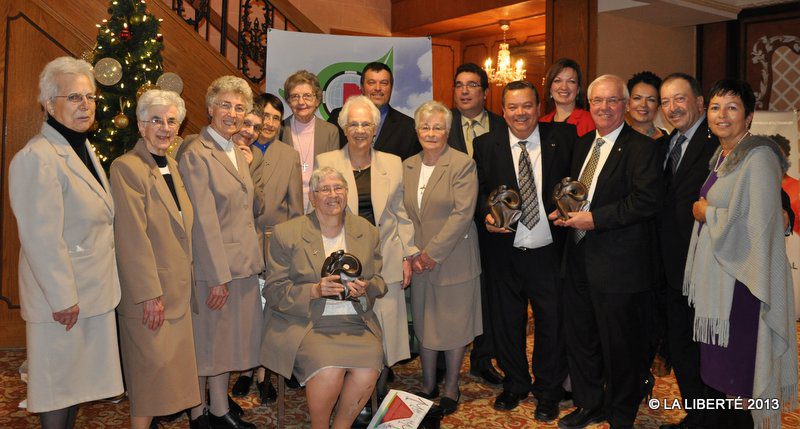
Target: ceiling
point(680, 13)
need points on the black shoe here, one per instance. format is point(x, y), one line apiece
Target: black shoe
point(293, 383)
point(430, 396)
point(546, 411)
point(229, 421)
point(566, 400)
point(234, 407)
point(242, 386)
point(488, 375)
point(508, 400)
point(449, 406)
point(200, 422)
point(267, 392)
point(580, 418)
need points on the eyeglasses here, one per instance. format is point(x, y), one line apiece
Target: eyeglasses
point(356, 125)
point(470, 85)
point(612, 101)
point(239, 108)
point(78, 98)
point(295, 98)
point(328, 190)
point(158, 122)
point(256, 127)
point(436, 129)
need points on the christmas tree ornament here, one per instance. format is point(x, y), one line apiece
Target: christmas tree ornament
point(144, 88)
point(121, 121)
point(170, 82)
point(108, 71)
point(136, 19)
point(125, 35)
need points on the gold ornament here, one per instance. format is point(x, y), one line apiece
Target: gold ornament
point(136, 19)
point(121, 121)
point(144, 88)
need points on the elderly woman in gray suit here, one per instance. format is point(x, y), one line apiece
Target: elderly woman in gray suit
point(153, 227)
point(227, 256)
point(441, 190)
point(303, 130)
point(376, 183)
point(68, 282)
point(332, 346)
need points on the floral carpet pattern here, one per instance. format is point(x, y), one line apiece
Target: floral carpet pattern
point(475, 410)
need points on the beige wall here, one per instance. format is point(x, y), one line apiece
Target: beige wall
point(362, 16)
point(625, 47)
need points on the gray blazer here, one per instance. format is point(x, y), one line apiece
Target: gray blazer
point(224, 239)
point(444, 225)
point(295, 263)
point(65, 223)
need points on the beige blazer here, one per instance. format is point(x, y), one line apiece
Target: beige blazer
point(154, 250)
point(295, 263)
point(444, 225)
point(386, 184)
point(278, 185)
point(224, 239)
point(326, 136)
point(64, 218)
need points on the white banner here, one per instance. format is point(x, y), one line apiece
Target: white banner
point(784, 125)
point(338, 61)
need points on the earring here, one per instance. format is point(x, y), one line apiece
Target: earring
point(709, 132)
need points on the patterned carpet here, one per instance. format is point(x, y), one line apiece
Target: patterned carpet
point(475, 410)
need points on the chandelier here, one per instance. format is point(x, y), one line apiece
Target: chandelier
point(504, 74)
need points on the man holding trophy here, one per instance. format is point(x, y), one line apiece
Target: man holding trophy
point(529, 159)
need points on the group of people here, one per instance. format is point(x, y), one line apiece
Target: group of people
point(214, 259)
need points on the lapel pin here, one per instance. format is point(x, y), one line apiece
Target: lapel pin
point(314, 252)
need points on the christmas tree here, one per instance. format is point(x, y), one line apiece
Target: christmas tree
point(127, 62)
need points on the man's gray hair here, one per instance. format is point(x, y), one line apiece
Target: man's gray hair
point(613, 78)
point(48, 80)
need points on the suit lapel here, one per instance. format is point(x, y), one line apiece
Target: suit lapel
point(411, 183)
point(63, 148)
point(547, 148)
point(219, 154)
point(269, 165)
point(505, 164)
point(318, 143)
point(693, 150)
point(344, 166)
point(379, 184)
point(161, 185)
point(386, 130)
point(312, 242)
point(354, 241)
point(438, 171)
point(613, 159)
point(580, 154)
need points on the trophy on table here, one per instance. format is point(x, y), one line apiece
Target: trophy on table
point(504, 206)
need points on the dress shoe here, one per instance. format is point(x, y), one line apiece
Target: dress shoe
point(266, 392)
point(430, 396)
point(546, 411)
point(242, 386)
point(200, 422)
point(448, 405)
point(566, 400)
point(234, 407)
point(580, 418)
point(508, 400)
point(293, 383)
point(229, 421)
point(488, 375)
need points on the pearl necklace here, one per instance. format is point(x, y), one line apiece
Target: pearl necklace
point(721, 159)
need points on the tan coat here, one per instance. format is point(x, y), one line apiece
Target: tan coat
point(386, 184)
point(155, 259)
point(444, 225)
point(278, 185)
point(153, 238)
point(294, 266)
point(224, 239)
point(326, 136)
point(65, 223)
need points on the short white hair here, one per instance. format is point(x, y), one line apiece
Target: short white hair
point(158, 97)
point(359, 100)
point(323, 172)
point(233, 84)
point(613, 78)
point(432, 107)
point(48, 80)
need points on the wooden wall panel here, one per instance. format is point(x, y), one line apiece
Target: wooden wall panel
point(572, 32)
point(446, 58)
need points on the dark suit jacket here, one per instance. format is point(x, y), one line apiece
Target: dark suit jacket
point(629, 192)
point(496, 167)
point(675, 220)
point(398, 135)
point(456, 137)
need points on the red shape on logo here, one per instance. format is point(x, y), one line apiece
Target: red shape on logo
point(349, 90)
point(397, 410)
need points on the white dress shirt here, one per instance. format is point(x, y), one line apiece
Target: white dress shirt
point(540, 234)
point(605, 150)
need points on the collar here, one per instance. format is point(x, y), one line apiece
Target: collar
point(480, 117)
point(75, 138)
point(224, 144)
point(384, 110)
point(532, 139)
point(690, 132)
point(610, 137)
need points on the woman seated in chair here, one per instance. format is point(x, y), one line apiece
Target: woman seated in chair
point(332, 346)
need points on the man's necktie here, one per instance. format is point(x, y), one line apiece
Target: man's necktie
point(469, 135)
point(588, 176)
point(527, 189)
point(675, 156)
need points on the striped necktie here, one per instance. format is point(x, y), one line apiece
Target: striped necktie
point(587, 176)
point(527, 189)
